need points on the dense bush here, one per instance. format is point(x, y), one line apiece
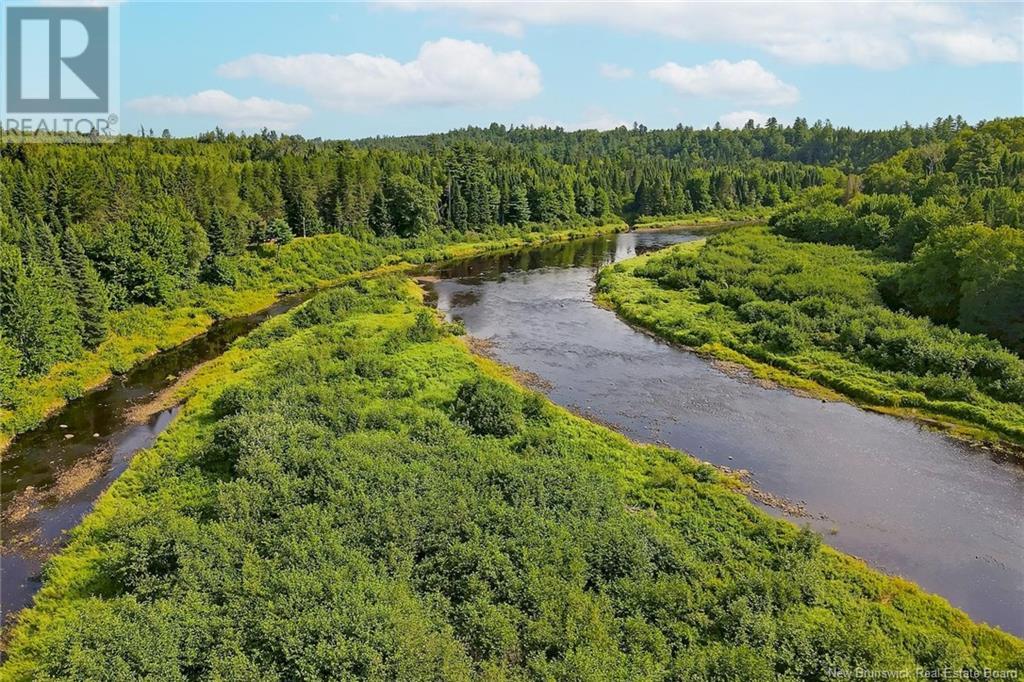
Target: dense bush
point(301, 522)
point(931, 205)
point(489, 408)
point(820, 307)
point(972, 277)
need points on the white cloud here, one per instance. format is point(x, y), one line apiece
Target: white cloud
point(229, 111)
point(446, 72)
point(738, 119)
point(593, 119)
point(868, 34)
point(968, 48)
point(615, 72)
point(743, 81)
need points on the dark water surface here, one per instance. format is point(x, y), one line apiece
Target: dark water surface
point(909, 501)
point(49, 481)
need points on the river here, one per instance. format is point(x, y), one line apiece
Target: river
point(51, 476)
point(906, 500)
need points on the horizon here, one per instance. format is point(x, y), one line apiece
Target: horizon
point(151, 133)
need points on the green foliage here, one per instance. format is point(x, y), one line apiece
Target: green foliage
point(90, 294)
point(280, 232)
point(156, 216)
point(37, 310)
point(971, 276)
point(259, 277)
point(304, 519)
point(920, 205)
point(424, 328)
point(10, 368)
point(489, 408)
point(146, 221)
point(817, 311)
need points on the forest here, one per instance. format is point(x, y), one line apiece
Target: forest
point(93, 234)
point(349, 493)
point(112, 252)
point(903, 288)
point(90, 231)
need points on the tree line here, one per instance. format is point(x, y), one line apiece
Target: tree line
point(90, 229)
point(951, 212)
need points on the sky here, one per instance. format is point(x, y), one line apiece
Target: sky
point(348, 70)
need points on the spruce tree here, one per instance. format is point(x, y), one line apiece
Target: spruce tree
point(380, 215)
point(90, 294)
point(518, 206)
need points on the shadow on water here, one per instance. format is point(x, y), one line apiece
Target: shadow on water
point(51, 475)
point(907, 500)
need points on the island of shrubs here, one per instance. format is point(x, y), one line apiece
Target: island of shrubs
point(350, 494)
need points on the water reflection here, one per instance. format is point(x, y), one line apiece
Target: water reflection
point(909, 501)
point(50, 476)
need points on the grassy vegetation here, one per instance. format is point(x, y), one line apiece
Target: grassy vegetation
point(260, 276)
point(814, 312)
point(349, 494)
point(736, 215)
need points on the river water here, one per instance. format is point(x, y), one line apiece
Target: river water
point(908, 501)
point(51, 476)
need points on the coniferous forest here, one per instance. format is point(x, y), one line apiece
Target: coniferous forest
point(349, 493)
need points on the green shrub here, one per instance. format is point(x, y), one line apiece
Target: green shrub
point(489, 408)
point(819, 311)
point(423, 328)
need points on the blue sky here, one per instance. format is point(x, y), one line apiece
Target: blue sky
point(355, 70)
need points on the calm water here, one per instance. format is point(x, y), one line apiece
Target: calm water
point(101, 443)
point(908, 501)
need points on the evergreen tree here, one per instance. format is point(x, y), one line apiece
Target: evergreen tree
point(90, 294)
point(280, 231)
point(518, 206)
point(380, 215)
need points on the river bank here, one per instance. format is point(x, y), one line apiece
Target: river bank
point(829, 464)
point(429, 502)
point(52, 474)
point(909, 501)
point(306, 264)
point(787, 355)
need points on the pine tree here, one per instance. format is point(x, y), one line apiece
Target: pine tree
point(216, 233)
point(280, 231)
point(460, 210)
point(54, 289)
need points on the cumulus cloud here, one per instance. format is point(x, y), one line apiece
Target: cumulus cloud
point(615, 72)
point(743, 81)
point(227, 110)
point(446, 72)
point(868, 34)
point(738, 119)
point(968, 48)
